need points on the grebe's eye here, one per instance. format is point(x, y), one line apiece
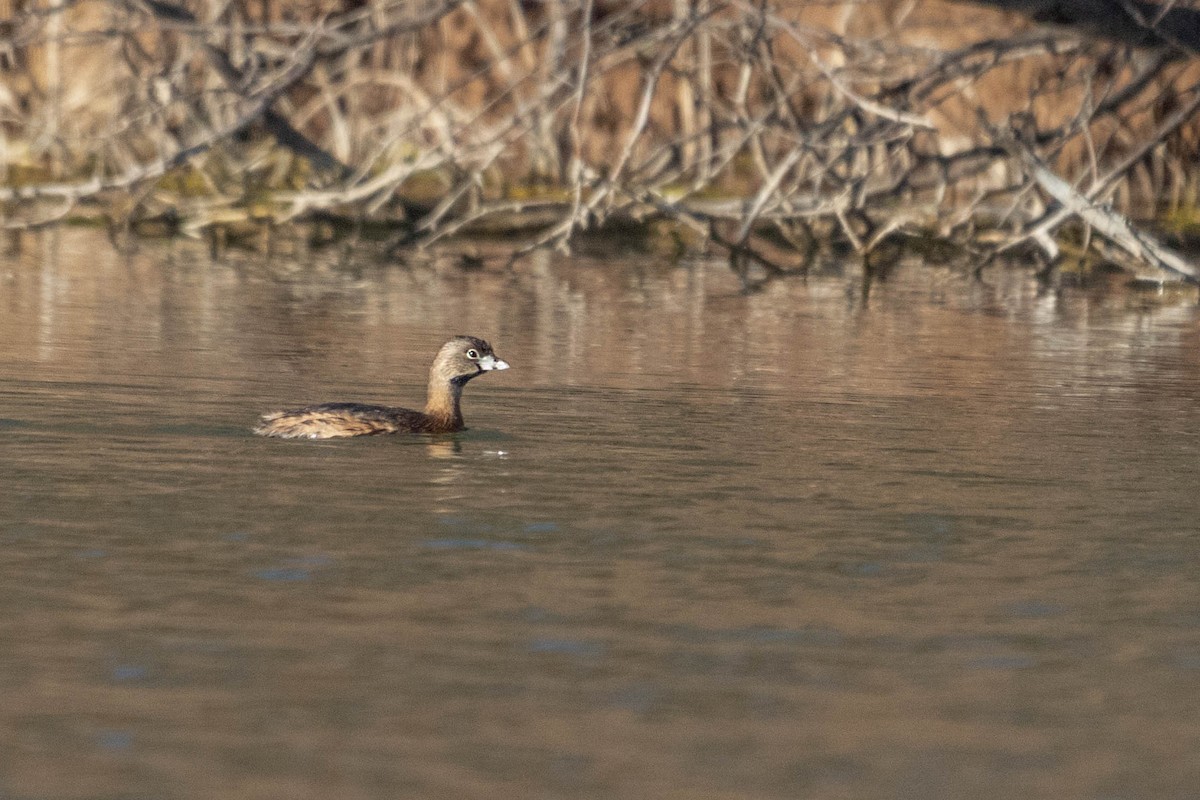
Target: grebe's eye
point(472, 354)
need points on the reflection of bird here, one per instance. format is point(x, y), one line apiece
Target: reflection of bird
point(459, 360)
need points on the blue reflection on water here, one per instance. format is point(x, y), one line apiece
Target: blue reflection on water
point(284, 574)
point(472, 544)
point(129, 672)
point(294, 569)
point(570, 647)
point(114, 740)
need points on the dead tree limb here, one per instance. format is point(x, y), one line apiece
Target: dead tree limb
point(1103, 219)
point(742, 120)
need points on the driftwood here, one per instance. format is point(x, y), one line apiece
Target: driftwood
point(1140, 245)
point(769, 129)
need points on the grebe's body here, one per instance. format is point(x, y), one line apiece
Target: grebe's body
point(460, 359)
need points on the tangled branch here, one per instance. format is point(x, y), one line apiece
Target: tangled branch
point(768, 129)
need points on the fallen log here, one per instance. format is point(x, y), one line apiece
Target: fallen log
point(1103, 219)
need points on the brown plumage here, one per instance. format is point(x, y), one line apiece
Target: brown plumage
point(459, 360)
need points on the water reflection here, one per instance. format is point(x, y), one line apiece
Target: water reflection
point(701, 543)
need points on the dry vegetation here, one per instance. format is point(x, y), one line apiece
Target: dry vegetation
point(772, 129)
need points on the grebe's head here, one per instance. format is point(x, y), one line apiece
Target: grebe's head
point(464, 357)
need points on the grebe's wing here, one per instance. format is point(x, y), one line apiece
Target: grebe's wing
point(338, 420)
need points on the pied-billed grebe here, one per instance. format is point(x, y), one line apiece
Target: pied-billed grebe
point(459, 360)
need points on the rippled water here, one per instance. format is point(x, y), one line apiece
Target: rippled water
point(695, 544)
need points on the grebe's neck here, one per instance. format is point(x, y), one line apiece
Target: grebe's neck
point(443, 402)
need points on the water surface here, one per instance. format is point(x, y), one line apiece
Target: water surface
point(695, 544)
